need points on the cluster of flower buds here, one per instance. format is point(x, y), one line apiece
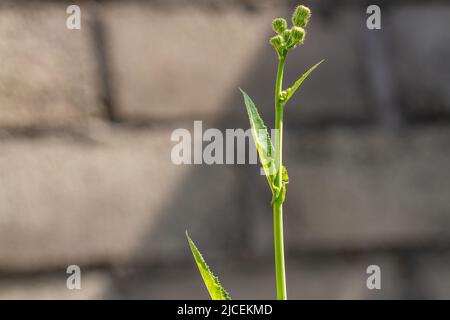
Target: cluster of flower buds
point(290, 38)
point(284, 94)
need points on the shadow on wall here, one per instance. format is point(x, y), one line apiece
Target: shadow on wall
point(219, 204)
point(366, 185)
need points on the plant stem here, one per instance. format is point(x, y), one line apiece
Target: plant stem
point(278, 204)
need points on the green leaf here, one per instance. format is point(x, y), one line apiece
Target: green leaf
point(215, 289)
point(262, 140)
point(291, 90)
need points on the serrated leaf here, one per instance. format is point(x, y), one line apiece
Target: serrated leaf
point(261, 139)
point(291, 90)
point(212, 283)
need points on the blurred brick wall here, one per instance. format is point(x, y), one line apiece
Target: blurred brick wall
point(85, 170)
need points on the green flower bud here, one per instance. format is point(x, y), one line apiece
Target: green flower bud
point(301, 16)
point(277, 43)
point(297, 35)
point(286, 36)
point(283, 95)
point(279, 25)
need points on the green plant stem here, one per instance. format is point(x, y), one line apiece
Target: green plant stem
point(278, 203)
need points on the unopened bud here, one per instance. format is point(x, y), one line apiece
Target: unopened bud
point(297, 35)
point(286, 36)
point(277, 43)
point(301, 16)
point(279, 25)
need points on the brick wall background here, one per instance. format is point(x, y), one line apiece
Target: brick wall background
point(85, 172)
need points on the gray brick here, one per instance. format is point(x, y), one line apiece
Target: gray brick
point(47, 72)
point(183, 62)
point(189, 62)
point(432, 271)
point(324, 277)
point(328, 278)
point(94, 285)
point(113, 198)
point(421, 49)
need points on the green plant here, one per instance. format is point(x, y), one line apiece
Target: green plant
point(270, 155)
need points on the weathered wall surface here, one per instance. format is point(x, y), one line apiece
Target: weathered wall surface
point(86, 178)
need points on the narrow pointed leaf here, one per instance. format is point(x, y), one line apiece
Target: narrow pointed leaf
point(291, 90)
point(261, 139)
point(212, 283)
